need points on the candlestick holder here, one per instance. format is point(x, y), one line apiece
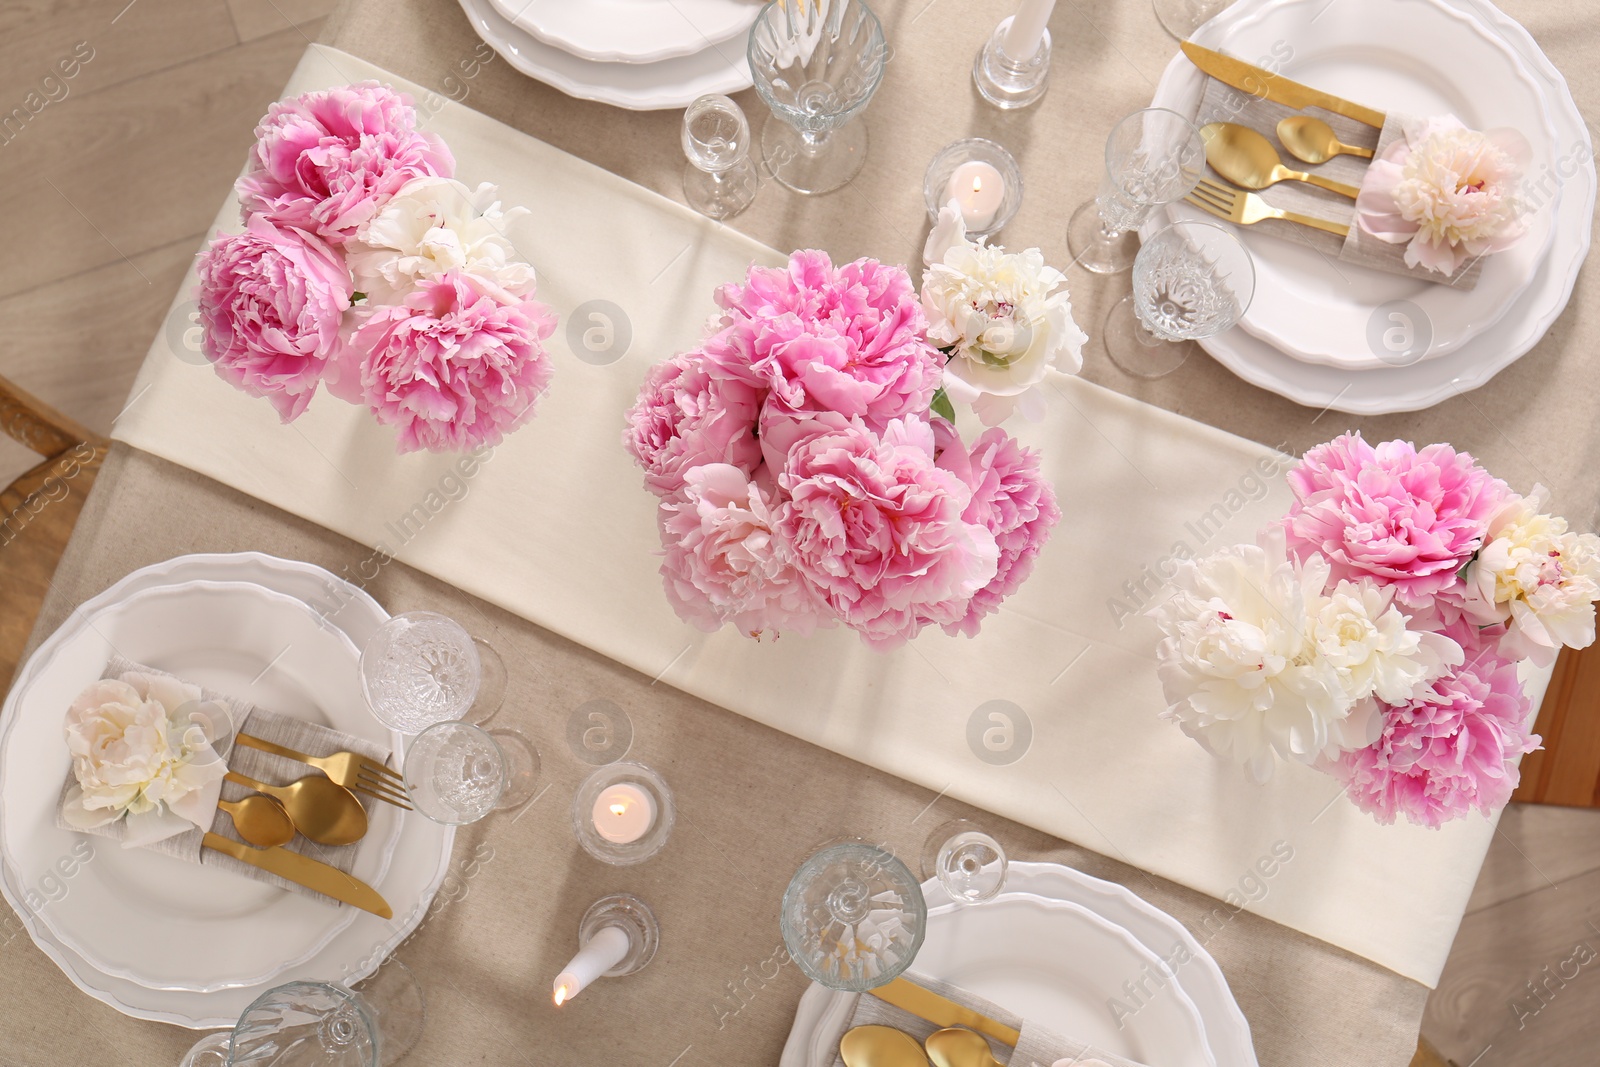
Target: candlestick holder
point(631, 783)
point(1006, 81)
point(936, 182)
point(617, 936)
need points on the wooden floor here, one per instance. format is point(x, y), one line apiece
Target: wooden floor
point(107, 191)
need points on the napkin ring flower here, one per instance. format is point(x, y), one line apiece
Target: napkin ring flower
point(1446, 192)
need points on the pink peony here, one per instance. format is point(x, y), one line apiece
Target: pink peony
point(689, 413)
point(849, 340)
point(1406, 518)
point(328, 161)
point(459, 364)
point(1010, 499)
point(1450, 750)
point(271, 301)
point(876, 528)
point(724, 563)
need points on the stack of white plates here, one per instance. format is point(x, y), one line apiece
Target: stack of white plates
point(1082, 957)
point(1314, 330)
point(152, 936)
point(638, 54)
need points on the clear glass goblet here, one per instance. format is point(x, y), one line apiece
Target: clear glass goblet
point(421, 668)
point(457, 773)
point(1182, 17)
point(853, 917)
point(1153, 157)
point(969, 863)
point(719, 181)
point(816, 64)
point(1191, 280)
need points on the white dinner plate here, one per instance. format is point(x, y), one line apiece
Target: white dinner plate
point(420, 859)
point(1310, 305)
point(631, 31)
point(668, 83)
point(1423, 384)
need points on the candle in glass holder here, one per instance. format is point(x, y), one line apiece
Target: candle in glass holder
point(623, 813)
point(1026, 32)
point(599, 954)
point(978, 189)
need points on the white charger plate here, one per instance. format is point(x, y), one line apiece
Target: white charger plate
point(1417, 57)
point(631, 31)
point(420, 861)
point(1423, 384)
point(668, 83)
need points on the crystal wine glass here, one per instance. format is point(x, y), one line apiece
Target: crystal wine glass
point(1191, 280)
point(853, 917)
point(457, 773)
point(1182, 17)
point(719, 180)
point(816, 64)
point(421, 668)
point(969, 863)
point(1153, 157)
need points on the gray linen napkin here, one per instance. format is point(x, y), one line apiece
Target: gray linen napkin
point(1223, 103)
point(301, 736)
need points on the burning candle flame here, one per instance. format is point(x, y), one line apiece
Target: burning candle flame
point(561, 994)
point(977, 183)
point(619, 809)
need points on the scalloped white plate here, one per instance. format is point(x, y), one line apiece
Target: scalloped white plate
point(631, 31)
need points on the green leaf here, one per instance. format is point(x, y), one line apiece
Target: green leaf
point(358, 295)
point(942, 407)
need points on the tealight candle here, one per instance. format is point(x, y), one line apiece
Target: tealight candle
point(978, 189)
point(623, 813)
point(598, 955)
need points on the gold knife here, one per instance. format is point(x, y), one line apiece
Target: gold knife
point(941, 1011)
point(303, 870)
point(1275, 87)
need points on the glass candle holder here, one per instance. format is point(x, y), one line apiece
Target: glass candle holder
point(618, 936)
point(972, 172)
point(622, 814)
point(1009, 81)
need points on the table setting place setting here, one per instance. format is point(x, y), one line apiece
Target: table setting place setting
point(870, 510)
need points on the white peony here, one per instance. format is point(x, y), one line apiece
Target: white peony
point(1538, 576)
point(433, 225)
point(1004, 316)
point(141, 748)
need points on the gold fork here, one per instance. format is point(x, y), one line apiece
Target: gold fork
point(353, 771)
point(1247, 209)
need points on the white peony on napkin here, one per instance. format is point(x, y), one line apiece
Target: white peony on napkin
point(118, 747)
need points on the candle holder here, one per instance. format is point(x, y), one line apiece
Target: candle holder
point(1006, 81)
point(936, 181)
point(634, 776)
point(617, 936)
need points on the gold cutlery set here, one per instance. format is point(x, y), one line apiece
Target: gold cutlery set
point(324, 809)
point(958, 1043)
point(1248, 159)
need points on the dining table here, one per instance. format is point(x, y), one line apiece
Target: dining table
point(754, 800)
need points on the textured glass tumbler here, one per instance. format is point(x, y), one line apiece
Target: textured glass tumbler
point(816, 64)
point(969, 863)
point(457, 773)
point(1153, 157)
point(1191, 280)
point(421, 668)
point(720, 180)
point(1182, 17)
point(853, 917)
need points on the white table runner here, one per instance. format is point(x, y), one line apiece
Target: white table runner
point(556, 527)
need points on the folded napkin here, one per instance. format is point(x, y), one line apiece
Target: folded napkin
point(243, 717)
point(825, 1014)
point(1223, 103)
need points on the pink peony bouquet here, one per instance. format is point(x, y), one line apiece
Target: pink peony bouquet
point(1375, 631)
point(803, 479)
point(364, 265)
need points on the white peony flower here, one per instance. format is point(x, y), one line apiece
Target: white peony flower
point(137, 751)
point(433, 225)
point(1537, 575)
point(1004, 316)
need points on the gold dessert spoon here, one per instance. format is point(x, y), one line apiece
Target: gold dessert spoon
point(1248, 160)
point(880, 1046)
point(1313, 141)
point(955, 1047)
point(322, 809)
point(260, 820)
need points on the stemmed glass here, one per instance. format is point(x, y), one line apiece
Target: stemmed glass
point(457, 773)
point(816, 64)
point(853, 917)
point(420, 668)
point(1182, 17)
point(719, 180)
point(969, 863)
point(1191, 280)
point(1153, 157)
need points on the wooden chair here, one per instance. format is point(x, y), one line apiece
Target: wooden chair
point(38, 511)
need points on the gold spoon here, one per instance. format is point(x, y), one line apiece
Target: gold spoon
point(955, 1047)
point(1248, 160)
point(1313, 141)
point(260, 820)
point(322, 809)
point(880, 1046)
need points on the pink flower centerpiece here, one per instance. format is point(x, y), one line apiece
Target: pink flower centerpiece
point(804, 481)
point(446, 344)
